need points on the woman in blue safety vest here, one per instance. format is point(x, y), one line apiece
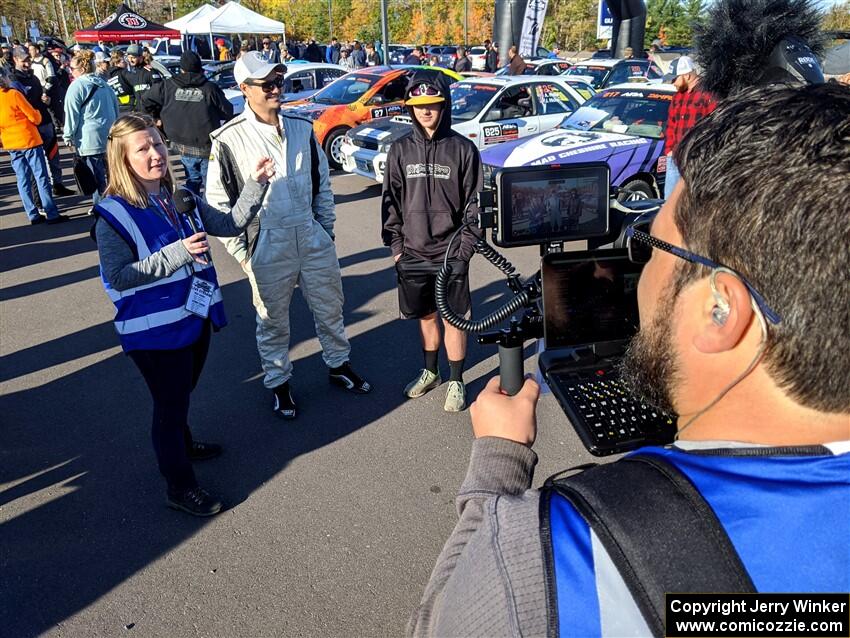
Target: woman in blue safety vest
point(156, 268)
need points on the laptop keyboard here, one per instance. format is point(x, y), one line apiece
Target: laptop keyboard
point(610, 416)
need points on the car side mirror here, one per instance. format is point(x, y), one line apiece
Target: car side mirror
point(376, 100)
point(495, 114)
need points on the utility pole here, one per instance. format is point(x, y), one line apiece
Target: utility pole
point(465, 23)
point(385, 33)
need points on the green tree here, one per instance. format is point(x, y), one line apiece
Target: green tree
point(672, 20)
point(838, 17)
point(570, 24)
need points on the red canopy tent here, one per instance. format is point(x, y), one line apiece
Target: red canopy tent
point(123, 26)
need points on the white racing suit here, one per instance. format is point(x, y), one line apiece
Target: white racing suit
point(291, 240)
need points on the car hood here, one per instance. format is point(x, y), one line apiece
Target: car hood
point(236, 98)
point(305, 108)
point(384, 130)
point(563, 145)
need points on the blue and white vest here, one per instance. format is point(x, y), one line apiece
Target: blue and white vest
point(785, 513)
point(153, 316)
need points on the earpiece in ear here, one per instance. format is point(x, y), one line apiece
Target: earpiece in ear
point(720, 312)
point(720, 315)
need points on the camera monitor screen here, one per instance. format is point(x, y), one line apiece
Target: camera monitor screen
point(589, 298)
point(544, 204)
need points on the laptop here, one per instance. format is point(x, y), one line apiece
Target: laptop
point(589, 314)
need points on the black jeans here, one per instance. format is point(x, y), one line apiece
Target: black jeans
point(171, 376)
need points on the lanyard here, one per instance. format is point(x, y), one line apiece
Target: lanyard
point(166, 207)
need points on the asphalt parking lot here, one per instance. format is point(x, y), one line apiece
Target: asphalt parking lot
point(333, 521)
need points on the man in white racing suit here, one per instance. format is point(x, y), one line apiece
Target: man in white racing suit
point(292, 240)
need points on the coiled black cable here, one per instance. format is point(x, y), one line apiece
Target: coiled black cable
point(494, 318)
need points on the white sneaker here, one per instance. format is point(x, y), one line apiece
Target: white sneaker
point(455, 397)
point(423, 383)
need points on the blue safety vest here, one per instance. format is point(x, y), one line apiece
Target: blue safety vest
point(153, 316)
point(788, 517)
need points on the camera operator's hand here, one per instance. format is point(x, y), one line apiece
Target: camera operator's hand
point(512, 418)
point(397, 257)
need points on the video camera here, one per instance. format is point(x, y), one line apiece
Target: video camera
point(583, 304)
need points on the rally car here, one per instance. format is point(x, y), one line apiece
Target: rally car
point(604, 73)
point(486, 110)
point(623, 126)
point(548, 66)
point(354, 98)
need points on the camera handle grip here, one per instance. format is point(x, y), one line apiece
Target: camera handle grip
point(511, 375)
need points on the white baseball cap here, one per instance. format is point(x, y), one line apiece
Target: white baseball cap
point(684, 65)
point(250, 66)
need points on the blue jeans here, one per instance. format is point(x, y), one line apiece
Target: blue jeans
point(196, 172)
point(31, 166)
point(51, 145)
point(97, 165)
point(671, 178)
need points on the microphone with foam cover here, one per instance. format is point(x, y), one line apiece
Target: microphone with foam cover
point(184, 202)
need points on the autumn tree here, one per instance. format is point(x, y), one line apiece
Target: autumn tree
point(838, 17)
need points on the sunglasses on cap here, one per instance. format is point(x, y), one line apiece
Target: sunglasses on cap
point(269, 85)
point(424, 89)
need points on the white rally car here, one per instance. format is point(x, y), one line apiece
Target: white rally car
point(486, 110)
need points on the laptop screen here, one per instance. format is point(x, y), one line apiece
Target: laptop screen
point(589, 298)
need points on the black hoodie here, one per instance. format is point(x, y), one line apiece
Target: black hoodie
point(427, 184)
point(190, 107)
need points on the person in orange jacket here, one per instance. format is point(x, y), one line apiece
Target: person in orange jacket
point(19, 135)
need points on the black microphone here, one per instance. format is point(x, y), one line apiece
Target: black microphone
point(184, 202)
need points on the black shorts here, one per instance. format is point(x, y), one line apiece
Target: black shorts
point(416, 282)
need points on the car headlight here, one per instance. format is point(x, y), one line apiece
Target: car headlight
point(384, 148)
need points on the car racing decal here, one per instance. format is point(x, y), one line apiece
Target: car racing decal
point(623, 154)
point(497, 133)
point(373, 133)
point(647, 162)
point(387, 111)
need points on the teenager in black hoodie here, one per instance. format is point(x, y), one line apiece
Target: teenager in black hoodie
point(430, 178)
point(190, 107)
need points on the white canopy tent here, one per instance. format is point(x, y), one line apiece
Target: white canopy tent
point(180, 23)
point(233, 18)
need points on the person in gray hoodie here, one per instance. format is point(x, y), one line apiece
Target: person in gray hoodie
point(90, 110)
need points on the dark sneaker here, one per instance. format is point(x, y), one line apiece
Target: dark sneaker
point(284, 406)
point(37, 220)
point(345, 377)
point(60, 190)
point(203, 451)
point(196, 502)
point(58, 219)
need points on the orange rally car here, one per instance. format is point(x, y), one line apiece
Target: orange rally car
point(355, 98)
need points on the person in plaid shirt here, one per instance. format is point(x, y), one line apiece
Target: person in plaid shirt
point(689, 106)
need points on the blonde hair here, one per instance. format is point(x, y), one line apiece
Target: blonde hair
point(123, 182)
point(84, 60)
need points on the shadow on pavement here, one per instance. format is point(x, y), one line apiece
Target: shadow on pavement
point(373, 190)
point(84, 441)
point(48, 283)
